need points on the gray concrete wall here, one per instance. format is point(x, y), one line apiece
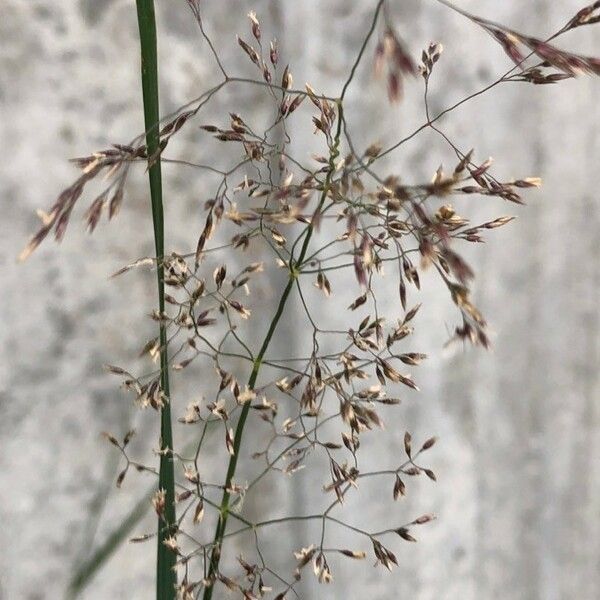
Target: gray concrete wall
point(519, 475)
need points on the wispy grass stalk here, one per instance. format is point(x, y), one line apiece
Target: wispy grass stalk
point(294, 267)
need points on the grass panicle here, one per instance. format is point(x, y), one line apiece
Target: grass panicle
point(342, 224)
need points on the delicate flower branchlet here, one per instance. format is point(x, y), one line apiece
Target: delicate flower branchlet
point(392, 56)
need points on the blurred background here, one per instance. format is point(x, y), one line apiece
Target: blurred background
point(518, 457)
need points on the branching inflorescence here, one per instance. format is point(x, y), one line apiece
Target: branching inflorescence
point(338, 214)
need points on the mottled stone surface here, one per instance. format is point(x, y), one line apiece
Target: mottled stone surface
point(518, 497)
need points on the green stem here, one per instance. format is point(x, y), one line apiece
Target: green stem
point(166, 576)
point(116, 538)
point(237, 441)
